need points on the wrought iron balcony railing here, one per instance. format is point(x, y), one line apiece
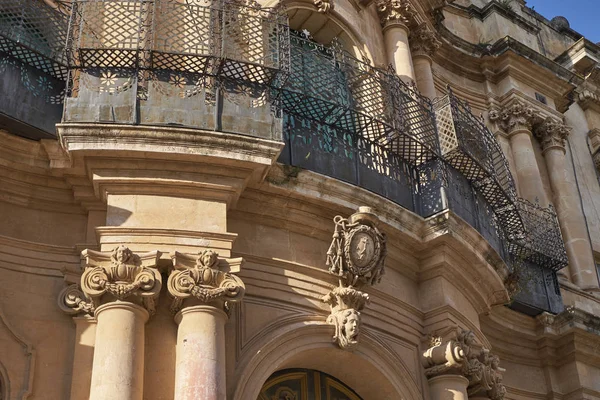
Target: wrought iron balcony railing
point(32, 66)
point(532, 232)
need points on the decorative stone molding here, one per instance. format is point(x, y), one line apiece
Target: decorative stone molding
point(551, 134)
point(463, 357)
point(423, 42)
point(118, 275)
point(205, 278)
point(356, 256)
point(516, 116)
point(323, 6)
point(395, 12)
point(346, 304)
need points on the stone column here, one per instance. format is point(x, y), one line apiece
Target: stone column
point(202, 287)
point(516, 120)
point(396, 17)
point(120, 289)
point(423, 44)
point(553, 135)
point(448, 387)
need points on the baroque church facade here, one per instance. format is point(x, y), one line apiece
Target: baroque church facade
point(297, 200)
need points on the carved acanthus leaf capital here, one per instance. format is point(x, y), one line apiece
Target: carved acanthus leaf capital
point(206, 278)
point(395, 11)
point(552, 133)
point(118, 275)
point(346, 304)
point(423, 41)
point(516, 116)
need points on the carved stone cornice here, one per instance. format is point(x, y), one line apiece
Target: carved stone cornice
point(206, 279)
point(424, 42)
point(461, 356)
point(118, 275)
point(588, 97)
point(552, 134)
point(356, 257)
point(514, 117)
point(392, 12)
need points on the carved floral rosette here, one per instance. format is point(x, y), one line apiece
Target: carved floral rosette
point(204, 281)
point(358, 249)
point(346, 304)
point(120, 274)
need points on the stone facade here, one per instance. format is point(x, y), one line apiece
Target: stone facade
point(389, 199)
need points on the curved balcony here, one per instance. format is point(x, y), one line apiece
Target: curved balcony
point(237, 68)
point(32, 67)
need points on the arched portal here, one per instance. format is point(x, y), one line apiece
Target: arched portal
point(305, 384)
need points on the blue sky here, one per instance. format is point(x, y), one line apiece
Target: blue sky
point(583, 15)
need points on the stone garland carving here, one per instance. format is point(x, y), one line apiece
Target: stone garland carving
point(395, 11)
point(203, 281)
point(356, 256)
point(424, 42)
point(461, 356)
point(514, 117)
point(552, 133)
point(121, 274)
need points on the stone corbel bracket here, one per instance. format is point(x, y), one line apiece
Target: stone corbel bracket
point(118, 275)
point(205, 278)
point(356, 257)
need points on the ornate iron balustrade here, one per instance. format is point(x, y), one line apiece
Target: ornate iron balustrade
point(236, 40)
point(330, 87)
point(543, 244)
point(532, 232)
point(35, 34)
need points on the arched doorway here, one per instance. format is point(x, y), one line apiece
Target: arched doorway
point(305, 384)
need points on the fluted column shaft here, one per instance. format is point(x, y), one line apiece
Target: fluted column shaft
point(200, 360)
point(118, 367)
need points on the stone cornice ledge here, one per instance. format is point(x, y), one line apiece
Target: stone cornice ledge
point(170, 140)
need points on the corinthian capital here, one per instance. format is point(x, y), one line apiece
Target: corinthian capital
point(205, 278)
point(552, 134)
point(395, 11)
point(121, 275)
point(424, 42)
point(513, 117)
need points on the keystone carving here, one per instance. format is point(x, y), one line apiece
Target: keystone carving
point(356, 257)
point(346, 304)
point(424, 42)
point(118, 275)
point(552, 133)
point(462, 356)
point(395, 11)
point(514, 117)
point(205, 278)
